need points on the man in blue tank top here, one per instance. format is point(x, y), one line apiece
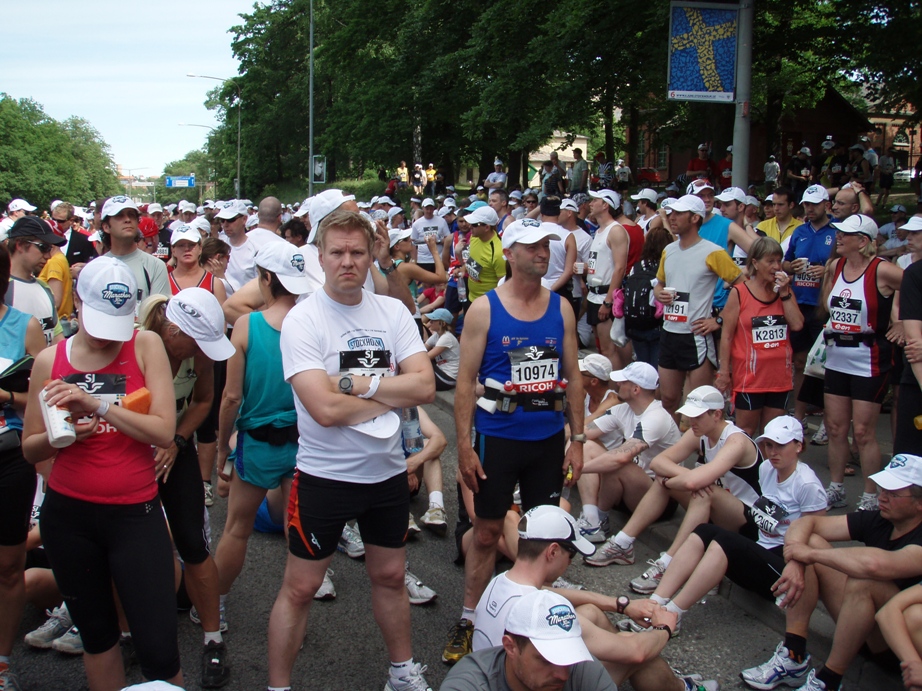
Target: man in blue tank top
point(520, 343)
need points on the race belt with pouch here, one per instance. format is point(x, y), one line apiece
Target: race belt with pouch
point(505, 399)
point(853, 340)
point(275, 436)
point(599, 290)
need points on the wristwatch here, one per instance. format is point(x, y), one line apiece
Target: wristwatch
point(622, 602)
point(719, 320)
point(608, 304)
point(389, 270)
point(345, 384)
point(180, 442)
point(578, 438)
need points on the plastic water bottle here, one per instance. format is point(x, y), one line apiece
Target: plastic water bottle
point(462, 288)
point(410, 430)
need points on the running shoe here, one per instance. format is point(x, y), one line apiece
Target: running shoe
point(70, 643)
point(649, 581)
point(835, 498)
point(436, 520)
point(460, 638)
point(58, 623)
point(419, 594)
point(350, 543)
point(209, 494)
point(413, 680)
point(813, 684)
point(193, 615)
point(326, 590)
point(593, 533)
point(567, 585)
point(700, 684)
point(215, 671)
point(781, 669)
point(611, 553)
point(869, 503)
point(413, 528)
point(631, 626)
point(820, 438)
point(8, 680)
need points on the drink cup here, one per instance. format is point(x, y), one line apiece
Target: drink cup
point(671, 292)
point(579, 268)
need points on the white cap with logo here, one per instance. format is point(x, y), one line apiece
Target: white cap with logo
point(552, 523)
point(198, 314)
point(115, 205)
point(642, 374)
point(287, 262)
point(701, 400)
point(783, 430)
point(528, 231)
point(20, 205)
point(108, 292)
point(232, 209)
point(549, 622)
point(903, 470)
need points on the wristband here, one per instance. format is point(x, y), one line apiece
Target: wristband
point(785, 298)
point(102, 409)
point(372, 387)
point(662, 627)
point(10, 394)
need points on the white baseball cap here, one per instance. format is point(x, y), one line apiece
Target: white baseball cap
point(547, 620)
point(482, 214)
point(640, 373)
point(898, 208)
point(857, 224)
point(597, 365)
point(394, 211)
point(304, 209)
point(689, 202)
point(20, 205)
point(450, 202)
point(384, 199)
point(115, 205)
point(804, 150)
point(699, 185)
point(552, 523)
point(154, 208)
point(527, 231)
point(701, 400)
point(201, 224)
point(186, 207)
point(732, 194)
point(815, 194)
point(398, 234)
point(428, 202)
point(287, 262)
point(252, 221)
point(185, 232)
point(497, 162)
point(752, 201)
point(322, 205)
point(913, 225)
point(783, 430)
point(612, 197)
point(567, 204)
point(903, 470)
point(232, 209)
point(108, 293)
point(198, 314)
point(647, 194)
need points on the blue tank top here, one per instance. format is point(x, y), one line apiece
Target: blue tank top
point(527, 354)
point(13, 347)
point(717, 230)
point(267, 397)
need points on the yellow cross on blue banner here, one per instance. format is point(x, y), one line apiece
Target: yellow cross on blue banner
point(702, 52)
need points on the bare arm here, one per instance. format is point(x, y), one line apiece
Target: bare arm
point(247, 299)
point(616, 458)
point(576, 395)
point(738, 447)
point(668, 463)
point(233, 390)
point(892, 623)
point(476, 325)
point(730, 314)
point(57, 290)
point(741, 236)
point(564, 278)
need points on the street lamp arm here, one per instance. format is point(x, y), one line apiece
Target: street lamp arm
point(239, 116)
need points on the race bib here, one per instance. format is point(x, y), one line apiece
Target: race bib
point(677, 311)
point(768, 515)
point(473, 269)
point(111, 388)
point(769, 332)
point(590, 265)
point(805, 280)
point(365, 362)
point(534, 369)
point(845, 314)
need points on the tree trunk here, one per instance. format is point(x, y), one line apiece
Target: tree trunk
point(608, 120)
point(633, 134)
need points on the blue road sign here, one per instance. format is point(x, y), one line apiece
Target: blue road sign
point(180, 181)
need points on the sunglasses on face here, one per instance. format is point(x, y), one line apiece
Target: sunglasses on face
point(43, 247)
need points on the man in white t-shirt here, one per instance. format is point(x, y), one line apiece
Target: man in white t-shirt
point(548, 541)
point(119, 223)
point(646, 207)
point(428, 224)
point(351, 357)
point(622, 475)
point(241, 266)
point(497, 179)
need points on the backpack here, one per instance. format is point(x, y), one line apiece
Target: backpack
point(641, 311)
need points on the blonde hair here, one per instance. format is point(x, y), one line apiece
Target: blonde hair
point(342, 219)
point(152, 315)
point(761, 248)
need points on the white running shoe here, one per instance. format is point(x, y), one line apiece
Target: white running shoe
point(812, 683)
point(593, 533)
point(326, 590)
point(413, 528)
point(611, 553)
point(69, 643)
point(869, 503)
point(58, 623)
point(835, 498)
point(779, 670)
point(209, 494)
point(436, 520)
point(419, 594)
point(649, 581)
point(567, 585)
point(350, 542)
point(412, 681)
point(820, 438)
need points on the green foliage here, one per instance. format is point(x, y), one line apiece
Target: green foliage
point(42, 159)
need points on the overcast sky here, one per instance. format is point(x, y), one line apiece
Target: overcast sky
point(122, 67)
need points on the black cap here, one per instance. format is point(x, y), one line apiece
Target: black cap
point(34, 228)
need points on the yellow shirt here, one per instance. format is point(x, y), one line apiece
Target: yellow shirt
point(770, 228)
point(57, 268)
point(402, 174)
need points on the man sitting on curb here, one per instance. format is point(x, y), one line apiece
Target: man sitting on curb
point(863, 577)
point(548, 541)
point(542, 647)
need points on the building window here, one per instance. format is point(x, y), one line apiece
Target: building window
point(662, 157)
point(641, 151)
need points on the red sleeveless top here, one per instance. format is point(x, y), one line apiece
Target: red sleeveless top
point(108, 467)
point(207, 283)
point(761, 356)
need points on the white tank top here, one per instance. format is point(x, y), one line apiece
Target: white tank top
point(610, 439)
point(601, 266)
point(742, 483)
point(556, 263)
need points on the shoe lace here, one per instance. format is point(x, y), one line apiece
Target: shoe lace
point(414, 680)
point(460, 633)
point(54, 616)
point(655, 569)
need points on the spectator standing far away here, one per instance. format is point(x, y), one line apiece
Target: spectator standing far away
point(772, 170)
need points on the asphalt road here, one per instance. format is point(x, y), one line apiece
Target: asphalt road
point(344, 650)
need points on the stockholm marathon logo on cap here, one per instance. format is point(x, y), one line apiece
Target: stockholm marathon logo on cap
point(297, 261)
point(188, 309)
point(561, 616)
point(531, 223)
point(897, 461)
point(120, 199)
point(117, 294)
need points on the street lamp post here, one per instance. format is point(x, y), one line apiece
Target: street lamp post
point(239, 108)
point(214, 178)
point(131, 179)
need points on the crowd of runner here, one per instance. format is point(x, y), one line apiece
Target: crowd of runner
point(593, 338)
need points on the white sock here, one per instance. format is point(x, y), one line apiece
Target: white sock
point(399, 669)
point(213, 637)
point(623, 540)
point(278, 688)
point(436, 498)
point(868, 495)
point(469, 614)
point(838, 486)
point(665, 559)
point(673, 607)
point(223, 599)
point(591, 514)
point(659, 599)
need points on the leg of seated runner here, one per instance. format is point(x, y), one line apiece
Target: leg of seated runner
point(838, 418)
point(386, 568)
point(856, 622)
point(288, 620)
point(707, 574)
point(628, 485)
point(242, 505)
point(725, 510)
point(12, 594)
point(681, 567)
point(864, 423)
point(671, 382)
point(650, 508)
point(697, 511)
